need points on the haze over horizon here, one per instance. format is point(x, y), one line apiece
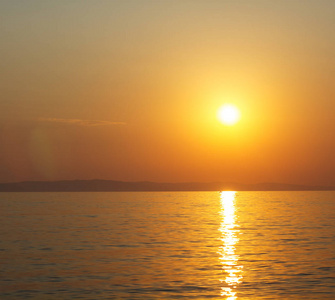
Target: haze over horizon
point(130, 90)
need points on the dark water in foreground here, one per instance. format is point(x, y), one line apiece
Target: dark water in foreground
point(197, 245)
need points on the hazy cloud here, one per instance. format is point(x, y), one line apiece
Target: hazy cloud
point(80, 122)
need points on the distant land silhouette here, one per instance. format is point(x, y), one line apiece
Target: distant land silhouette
point(111, 186)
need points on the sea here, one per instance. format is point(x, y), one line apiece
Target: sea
point(167, 245)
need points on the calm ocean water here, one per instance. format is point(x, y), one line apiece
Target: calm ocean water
point(173, 245)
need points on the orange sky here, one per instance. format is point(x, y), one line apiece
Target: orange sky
point(129, 90)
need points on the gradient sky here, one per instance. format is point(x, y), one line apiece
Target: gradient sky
point(129, 90)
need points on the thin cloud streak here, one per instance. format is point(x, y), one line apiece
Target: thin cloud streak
point(80, 122)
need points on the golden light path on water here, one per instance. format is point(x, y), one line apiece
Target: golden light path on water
point(229, 259)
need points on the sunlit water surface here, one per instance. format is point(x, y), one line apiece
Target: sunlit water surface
point(196, 245)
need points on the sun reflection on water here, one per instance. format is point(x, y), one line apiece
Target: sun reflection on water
point(228, 258)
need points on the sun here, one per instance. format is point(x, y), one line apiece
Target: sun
point(228, 114)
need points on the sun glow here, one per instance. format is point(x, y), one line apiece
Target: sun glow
point(228, 114)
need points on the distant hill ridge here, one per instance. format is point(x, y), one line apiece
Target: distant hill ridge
point(98, 185)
